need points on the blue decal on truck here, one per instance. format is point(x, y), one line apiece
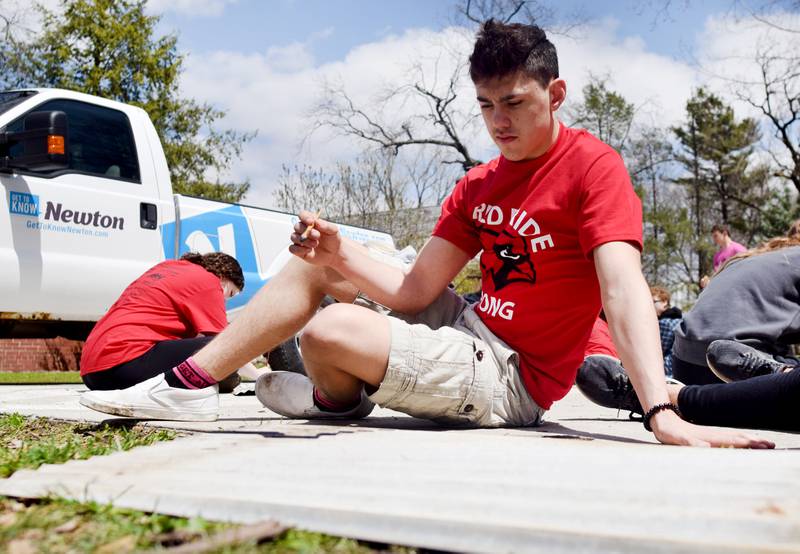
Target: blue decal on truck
point(22, 203)
point(224, 230)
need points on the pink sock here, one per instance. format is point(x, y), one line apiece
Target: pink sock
point(190, 376)
point(328, 405)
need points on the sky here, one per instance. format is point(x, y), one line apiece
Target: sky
point(337, 26)
point(265, 63)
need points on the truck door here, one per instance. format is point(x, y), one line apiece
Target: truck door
point(80, 235)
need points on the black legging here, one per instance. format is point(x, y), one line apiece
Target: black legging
point(161, 357)
point(766, 402)
point(692, 374)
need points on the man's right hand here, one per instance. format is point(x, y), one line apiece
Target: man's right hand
point(321, 244)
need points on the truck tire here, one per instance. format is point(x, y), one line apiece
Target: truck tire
point(286, 357)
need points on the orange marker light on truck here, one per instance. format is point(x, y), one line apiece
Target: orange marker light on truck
point(55, 144)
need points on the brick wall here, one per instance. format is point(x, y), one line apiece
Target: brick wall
point(57, 354)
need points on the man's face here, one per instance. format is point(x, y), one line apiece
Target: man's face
point(718, 238)
point(519, 114)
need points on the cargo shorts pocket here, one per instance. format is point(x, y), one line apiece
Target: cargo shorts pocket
point(433, 374)
point(475, 391)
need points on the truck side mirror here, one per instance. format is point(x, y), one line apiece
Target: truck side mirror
point(40, 146)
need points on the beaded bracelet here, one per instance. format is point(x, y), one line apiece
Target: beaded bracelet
point(659, 408)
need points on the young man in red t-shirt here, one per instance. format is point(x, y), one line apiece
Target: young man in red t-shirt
point(559, 228)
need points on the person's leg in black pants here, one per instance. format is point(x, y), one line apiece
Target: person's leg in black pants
point(692, 374)
point(161, 357)
point(766, 402)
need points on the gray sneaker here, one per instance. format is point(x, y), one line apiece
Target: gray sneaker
point(155, 399)
point(292, 395)
point(734, 361)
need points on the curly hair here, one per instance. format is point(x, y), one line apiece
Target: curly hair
point(220, 264)
point(661, 293)
point(502, 50)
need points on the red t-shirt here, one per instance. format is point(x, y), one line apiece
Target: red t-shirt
point(537, 222)
point(600, 341)
point(172, 300)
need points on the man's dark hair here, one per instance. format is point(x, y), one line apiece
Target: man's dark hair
point(220, 264)
point(721, 228)
point(502, 49)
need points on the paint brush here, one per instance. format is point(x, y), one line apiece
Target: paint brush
point(307, 232)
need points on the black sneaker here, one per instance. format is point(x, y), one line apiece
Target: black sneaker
point(734, 361)
point(603, 381)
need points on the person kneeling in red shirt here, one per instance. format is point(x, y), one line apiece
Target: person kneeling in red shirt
point(163, 317)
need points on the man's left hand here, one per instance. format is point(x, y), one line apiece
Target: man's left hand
point(670, 429)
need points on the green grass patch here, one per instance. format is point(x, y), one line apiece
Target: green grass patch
point(30, 442)
point(63, 526)
point(40, 377)
point(55, 525)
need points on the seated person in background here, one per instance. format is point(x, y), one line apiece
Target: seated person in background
point(765, 402)
point(751, 308)
point(169, 313)
point(669, 317)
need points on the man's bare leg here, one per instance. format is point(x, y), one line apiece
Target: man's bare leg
point(278, 311)
point(345, 346)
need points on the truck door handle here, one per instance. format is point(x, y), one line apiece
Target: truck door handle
point(148, 216)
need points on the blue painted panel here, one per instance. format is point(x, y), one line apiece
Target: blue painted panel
point(209, 223)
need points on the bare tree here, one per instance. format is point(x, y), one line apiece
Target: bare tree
point(438, 123)
point(762, 11)
point(434, 141)
point(543, 14)
point(378, 190)
point(766, 10)
point(777, 97)
point(440, 120)
point(478, 11)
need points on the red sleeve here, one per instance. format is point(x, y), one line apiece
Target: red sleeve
point(204, 307)
point(455, 224)
point(600, 341)
point(609, 210)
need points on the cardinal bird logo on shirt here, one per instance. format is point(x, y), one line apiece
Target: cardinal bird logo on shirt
point(511, 263)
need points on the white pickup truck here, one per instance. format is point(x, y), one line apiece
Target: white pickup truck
point(87, 206)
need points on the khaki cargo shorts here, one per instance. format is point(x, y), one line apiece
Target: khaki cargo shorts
point(447, 366)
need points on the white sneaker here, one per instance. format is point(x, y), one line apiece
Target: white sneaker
point(291, 395)
point(155, 399)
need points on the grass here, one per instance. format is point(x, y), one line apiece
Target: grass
point(31, 442)
point(61, 526)
point(39, 377)
point(55, 525)
point(58, 525)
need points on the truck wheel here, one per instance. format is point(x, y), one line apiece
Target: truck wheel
point(286, 357)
